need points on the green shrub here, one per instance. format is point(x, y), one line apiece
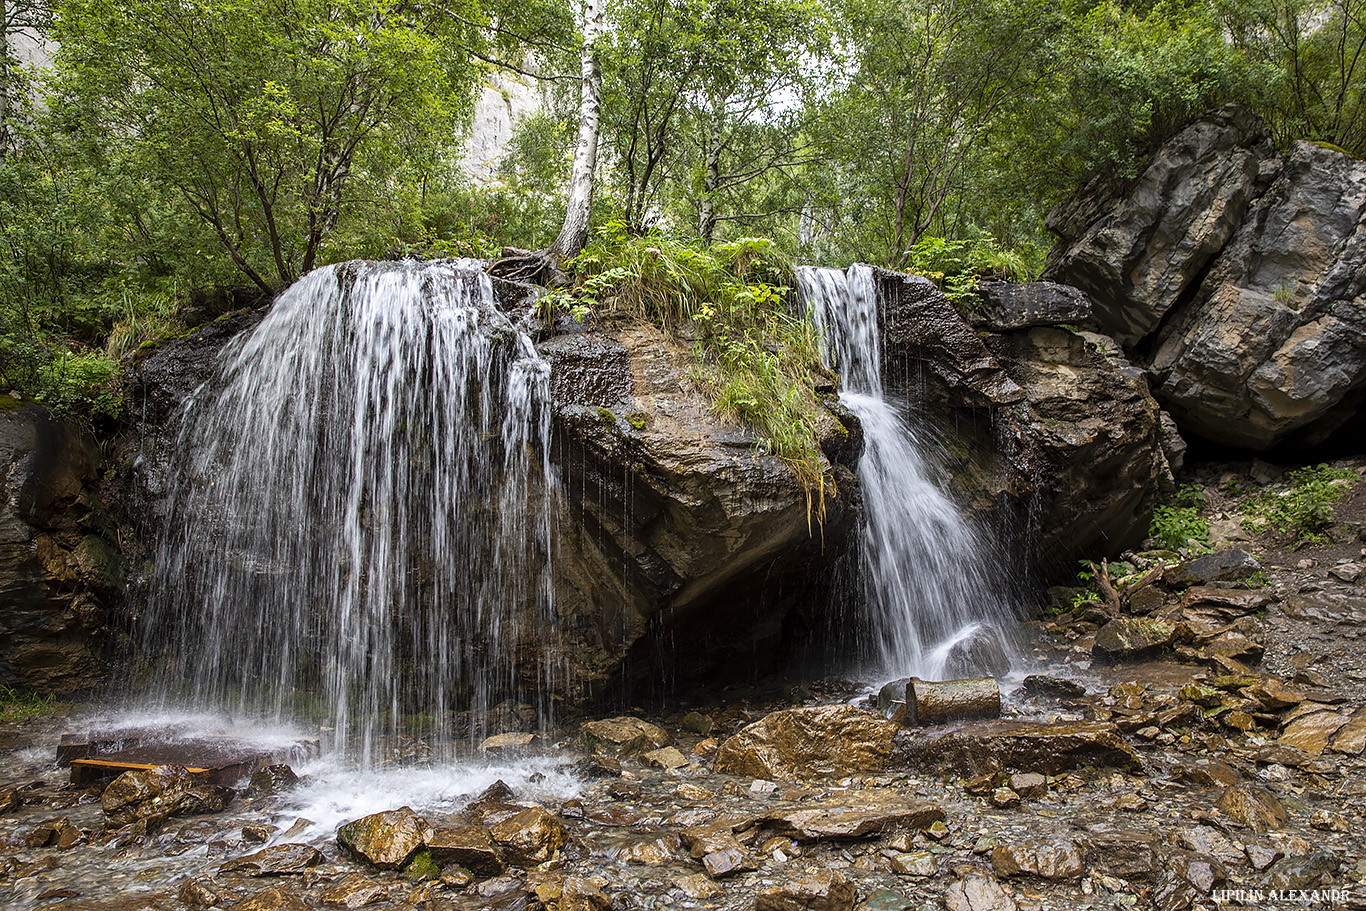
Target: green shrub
point(1175, 527)
point(1302, 506)
point(956, 265)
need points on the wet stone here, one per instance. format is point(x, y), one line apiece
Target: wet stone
point(874, 812)
point(1261, 857)
point(582, 894)
point(1040, 686)
point(1351, 737)
point(599, 767)
point(1210, 841)
point(280, 860)
point(1201, 871)
point(1029, 785)
point(919, 863)
point(196, 894)
point(273, 899)
point(654, 852)
point(1129, 637)
point(697, 723)
point(698, 887)
point(622, 736)
point(1053, 858)
point(1253, 807)
point(1301, 872)
point(887, 900)
point(978, 892)
point(728, 861)
point(1312, 733)
point(355, 891)
point(273, 779)
point(817, 890)
point(470, 847)
point(531, 837)
point(144, 793)
point(387, 840)
point(665, 758)
point(258, 832)
point(1005, 798)
point(809, 742)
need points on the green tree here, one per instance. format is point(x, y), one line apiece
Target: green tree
point(263, 115)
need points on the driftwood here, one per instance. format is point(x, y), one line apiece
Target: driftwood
point(1116, 598)
point(952, 700)
point(914, 702)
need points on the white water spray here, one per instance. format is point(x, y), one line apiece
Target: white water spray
point(932, 611)
point(358, 525)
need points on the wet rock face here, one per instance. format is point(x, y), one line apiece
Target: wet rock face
point(675, 537)
point(59, 576)
point(387, 840)
point(1048, 430)
point(1238, 275)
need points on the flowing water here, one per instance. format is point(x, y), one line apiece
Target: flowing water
point(358, 525)
point(932, 610)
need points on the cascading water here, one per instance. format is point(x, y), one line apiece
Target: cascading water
point(359, 511)
point(932, 611)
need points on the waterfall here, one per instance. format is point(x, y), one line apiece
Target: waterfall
point(357, 525)
point(932, 610)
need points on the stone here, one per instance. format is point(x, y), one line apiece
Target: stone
point(1132, 637)
point(146, 794)
point(816, 890)
point(275, 898)
point(979, 747)
point(698, 887)
point(917, 863)
point(1204, 840)
point(873, 813)
point(1053, 858)
point(1128, 854)
point(582, 894)
point(1138, 253)
point(197, 894)
point(978, 892)
point(809, 742)
point(1306, 871)
point(273, 779)
point(665, 758)
point(728, 861)
point(279, 860)
point(1312, 733)
point(470, 847)
point(1004, 306)
point(1201, 871)
point(258, 833)
point(533, 836)
point(1270, 347)
point(355, 891)
point(1253, 807)
point(1261, 857)
point(1351, 737)
point(1030, 786)
point(652, 852)
point(512, 742)
point(387, 840)
point(1274, 695)
point(1221, 566)
point(621, 737)
point(1041, 686)
point(697, 723)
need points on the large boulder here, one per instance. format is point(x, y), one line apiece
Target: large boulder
point(1274, 343)
point(810, 742)
point(59, 576)
point(1137, 253)
point(1236, 276)
point(1049, 433)
point(677, 535)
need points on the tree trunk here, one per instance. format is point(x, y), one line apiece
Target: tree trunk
point(706, 208)
point(4, 83)
point(574, 235)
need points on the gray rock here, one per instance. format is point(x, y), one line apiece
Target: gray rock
point(979, 747)
point(1023, 306)
point(1131, 637)
point(978, 892)
point(1224, 566)
point(817, 890)
point(1137, 255)
point(1048, 858)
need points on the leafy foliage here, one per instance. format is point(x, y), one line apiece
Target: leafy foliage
point(1180, 524)
point(1302, 506)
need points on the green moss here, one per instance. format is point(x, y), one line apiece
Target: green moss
point(422, 867)
point(638, 420)
point(9, 403)
point(606, 416)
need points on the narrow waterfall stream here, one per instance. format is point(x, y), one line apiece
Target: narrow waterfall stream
point(357, 529)
point(931, 608)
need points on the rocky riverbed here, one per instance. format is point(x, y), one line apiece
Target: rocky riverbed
point(1195, 741)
